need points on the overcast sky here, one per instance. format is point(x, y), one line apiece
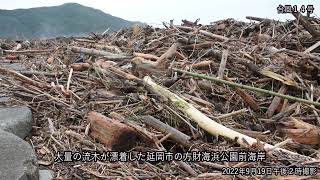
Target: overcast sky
point(154, 12)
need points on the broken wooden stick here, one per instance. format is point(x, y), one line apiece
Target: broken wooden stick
point(188, 168)
point(259, 19)
point(213, 36)
point(313, 47)
point(248, 99)
point(231, 114)
point(41, 73)
point(23, 78)
point(80, 66)
point(202, 65)
point(146, 56)
point(27, 51)
point(164, 128)
point(223, 64)
point(199, 45)
point(168, 54)
point(275, 102)
point(212, 126)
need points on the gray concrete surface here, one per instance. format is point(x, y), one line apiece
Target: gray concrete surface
point(45, 175)
point(17, 159)
point(16, 120)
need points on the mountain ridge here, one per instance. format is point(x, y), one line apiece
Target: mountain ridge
point(65, 20)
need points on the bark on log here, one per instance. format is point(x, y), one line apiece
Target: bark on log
point(110, 132)
point(168, 54)
point(164, 128)
point(108, 55)
point(214, 36)
point(306, 24)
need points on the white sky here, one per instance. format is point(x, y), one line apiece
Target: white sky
point(154, 12)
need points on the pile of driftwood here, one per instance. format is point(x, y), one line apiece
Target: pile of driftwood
point(226, 87)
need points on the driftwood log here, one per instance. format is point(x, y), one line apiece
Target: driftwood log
point(112, 133)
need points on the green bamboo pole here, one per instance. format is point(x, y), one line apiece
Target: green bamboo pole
point(232, 84)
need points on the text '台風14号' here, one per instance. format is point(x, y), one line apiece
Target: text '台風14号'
point(283, 9)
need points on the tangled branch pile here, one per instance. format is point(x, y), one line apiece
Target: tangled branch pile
point(228, 86)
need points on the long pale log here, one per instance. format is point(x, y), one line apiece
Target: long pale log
point(214, 36)
point(258, 19)
point(313, 47)
point(215, 128)
point(27, 51)
point(168, 54)
point(108, 55)
point(23, 78)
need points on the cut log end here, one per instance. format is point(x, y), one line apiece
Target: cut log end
point(112, 133)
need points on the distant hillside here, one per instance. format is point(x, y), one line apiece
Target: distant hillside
point(67, 19)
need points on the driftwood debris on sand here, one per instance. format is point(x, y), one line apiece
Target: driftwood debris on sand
point(230, 95)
